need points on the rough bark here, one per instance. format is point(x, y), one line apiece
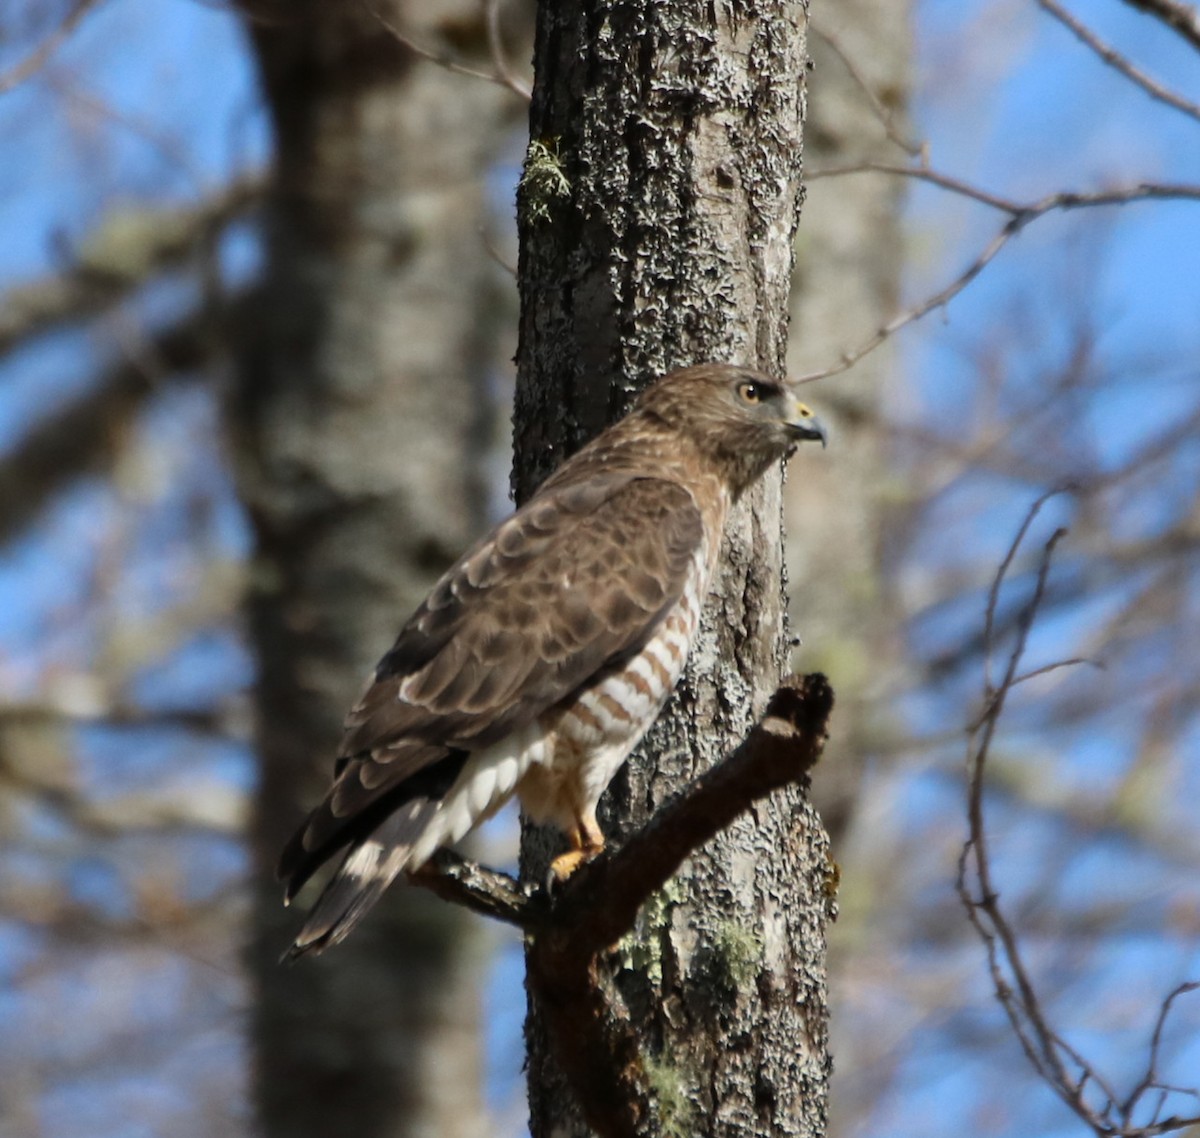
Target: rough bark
point(657, 211)
point(357, 408)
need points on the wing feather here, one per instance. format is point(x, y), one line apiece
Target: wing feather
point(573, 583)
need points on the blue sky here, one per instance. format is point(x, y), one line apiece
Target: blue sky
point(1008, 100)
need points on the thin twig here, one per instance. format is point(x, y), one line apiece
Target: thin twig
point(34, 60)
point(499, 56)
point(886, 116)
point(1045, 669)
point(921, 174)
point(493, 251)
point(1064, 1069)
point(445, 60)
point(989, 622)
point(170, 145)
point(1048, 1059)
point(1150, 1078)
point(1020, 215)
point(1117, 61)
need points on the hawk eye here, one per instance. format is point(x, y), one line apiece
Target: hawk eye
point(750, 392)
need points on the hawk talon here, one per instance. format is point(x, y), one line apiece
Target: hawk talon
point(561, 868)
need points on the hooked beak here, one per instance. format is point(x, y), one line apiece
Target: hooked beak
point(803, 424)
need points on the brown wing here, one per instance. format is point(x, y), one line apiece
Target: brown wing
point(574, 582)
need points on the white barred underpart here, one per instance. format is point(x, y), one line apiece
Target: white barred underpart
point(605, 723)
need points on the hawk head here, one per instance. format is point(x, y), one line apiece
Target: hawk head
point(740, 418)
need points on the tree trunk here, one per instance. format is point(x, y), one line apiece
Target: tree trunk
point(657, 211)
point(357, 409)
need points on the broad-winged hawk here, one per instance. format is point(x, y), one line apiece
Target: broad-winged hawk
point(541, 658)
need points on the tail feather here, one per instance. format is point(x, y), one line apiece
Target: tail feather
point(340, 821)
point(368, 868)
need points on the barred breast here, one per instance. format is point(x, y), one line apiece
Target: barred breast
point(595, 732)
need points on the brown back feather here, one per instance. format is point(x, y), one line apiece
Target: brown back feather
point(572, 584)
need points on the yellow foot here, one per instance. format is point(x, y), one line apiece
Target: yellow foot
point(565, 864)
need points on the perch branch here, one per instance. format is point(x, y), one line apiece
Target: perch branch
point(571, 928)
point(887, 116)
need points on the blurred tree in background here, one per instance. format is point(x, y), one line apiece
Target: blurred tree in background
point(242, 249)
point(359, 415)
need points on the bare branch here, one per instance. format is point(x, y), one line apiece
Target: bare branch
point(34, 60)
point(886, 116)
point(502, 75)
point(171, 147)
point(1150, 1078)
point(1117, 61)
point(1067, 1072)
point(121, 255)
point(64, 712)
point(499, 57)
point(921, 174)
point(1021, 215)
point(1044, 670)
point(989, 623)
point(494, 252)
point(1178, 16)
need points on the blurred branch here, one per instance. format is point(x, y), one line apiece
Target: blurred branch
point(34, 60)
point(67, 712)
point(215, 809)
point(886, 116)
point(171, 146)
point(499, 56)
point(84, 436)
point(1020, 215)
point(1117, 61)
point(1065, 1070)
point(502, 74)
point(124, 252)
point(1178, 16)
point(573, 927)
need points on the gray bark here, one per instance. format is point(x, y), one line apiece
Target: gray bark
point(657, 213)
point(356, 409)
